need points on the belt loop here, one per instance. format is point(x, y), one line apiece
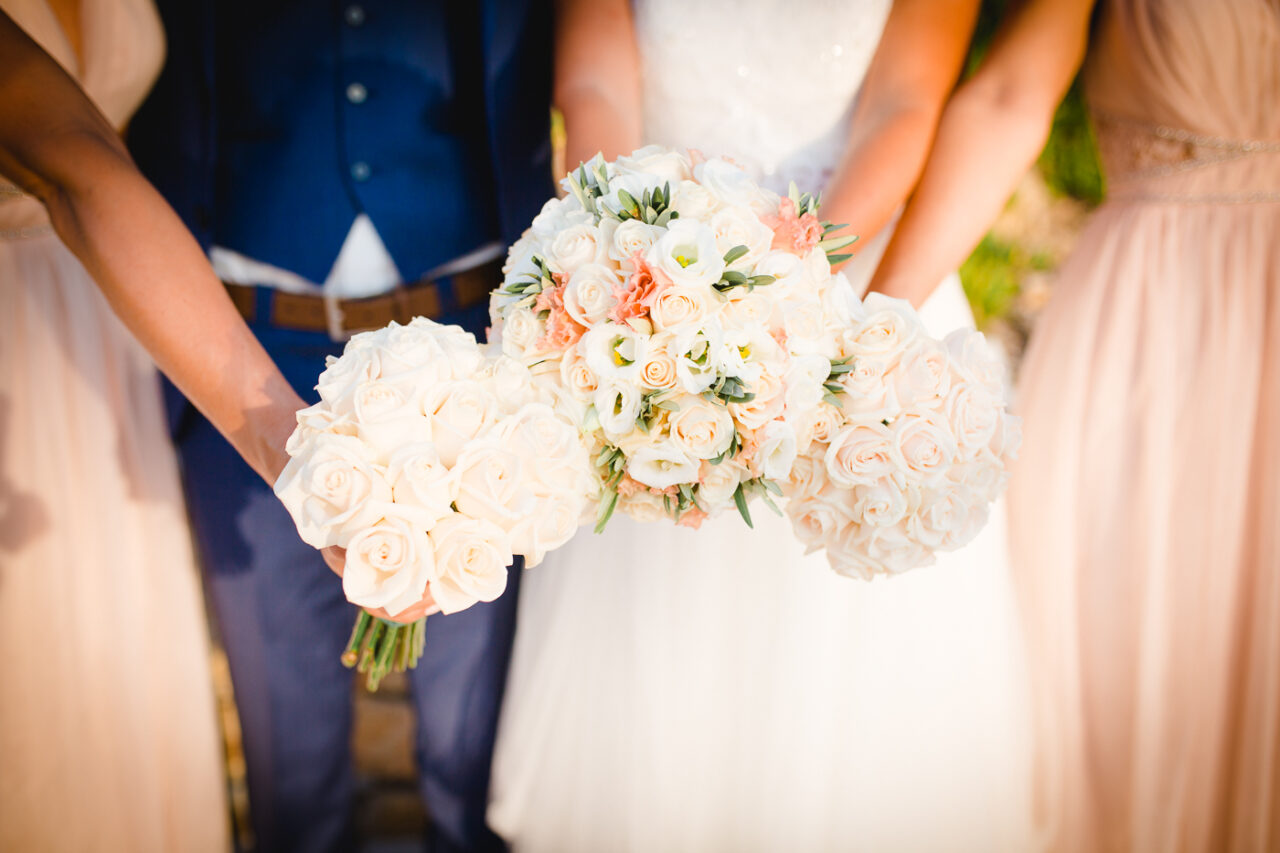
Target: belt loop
point(333, 316)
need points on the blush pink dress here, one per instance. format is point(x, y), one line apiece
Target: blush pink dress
point(108, 735)
point(1145, 512)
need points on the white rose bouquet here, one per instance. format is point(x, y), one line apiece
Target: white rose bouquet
point(433, 463)
point(689, 322)
point(676, 308)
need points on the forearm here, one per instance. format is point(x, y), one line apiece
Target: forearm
point(597, 79)
point(983, 147)
point(595, 123)
point(158, 282)
point(878, 171)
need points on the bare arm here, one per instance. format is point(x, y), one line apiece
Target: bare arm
point(56, 146)
point(915, 67)
point(990, 134)
point(597, 78)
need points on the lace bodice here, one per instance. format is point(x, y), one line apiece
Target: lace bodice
point(770, 83)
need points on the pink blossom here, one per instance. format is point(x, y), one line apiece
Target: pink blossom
point(796, 234)
point(562, 330)
point(692, 517)
point(636, 296)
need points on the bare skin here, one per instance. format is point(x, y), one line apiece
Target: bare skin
point(991, 132)
point(597, 88)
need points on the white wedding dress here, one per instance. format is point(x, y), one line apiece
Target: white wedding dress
point(717, 690)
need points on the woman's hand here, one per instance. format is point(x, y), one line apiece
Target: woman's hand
point(336, 559)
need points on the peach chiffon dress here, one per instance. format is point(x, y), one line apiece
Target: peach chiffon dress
point(1145, 512)
point(108, 737)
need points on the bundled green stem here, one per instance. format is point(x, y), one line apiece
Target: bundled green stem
point(379, 647)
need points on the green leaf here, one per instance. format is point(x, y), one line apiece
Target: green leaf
point(740, 500)
point(761, 280)
point(764, 493)
point(837, 259)
point(606, 512)
point(735, 253)
point(771, 486)
point(833, 243)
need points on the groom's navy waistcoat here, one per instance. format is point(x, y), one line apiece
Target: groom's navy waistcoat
point(293, 116)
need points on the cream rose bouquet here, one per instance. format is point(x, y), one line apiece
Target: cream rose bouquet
point(433, 463)
point(677, 309)
point(690, 323)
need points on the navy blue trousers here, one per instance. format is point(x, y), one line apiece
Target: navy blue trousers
point(284, 623)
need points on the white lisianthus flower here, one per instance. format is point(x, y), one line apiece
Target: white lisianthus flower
point(687, 254)
point(617, 406)
point(388, 564)
point(458, 412)
point(333, 490)
point(700, 429)
point(421, 485)
point(588, 295)
point(471, 560)
point(662, 465)
point(697, 356)
point(777, 450)
point(614, 351)
point(630, 237)
point(738, 226)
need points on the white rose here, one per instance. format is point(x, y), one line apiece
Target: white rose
point(521, 329)
point(421, 485)
point(890, 325)
point(816, 424)
point(808, 477)
point(817, 518)
point(816, 265)
point(588, 295)
point(458, 412)
point(579, 379)
point(386, 420)
point(678, 308)
point(551, 448)
point(881, 504)
point(925, 444)
point(922, 375)
point(840, 303)
point(687, 254)
point(751, 308)
point(730, 184)
point(693, 201)
point(719, 482)
point(617, 406)
point(575, 246)
point(847, 553)
point(862, 453)
point(768, 403)
point(665, 163)
point(974, 414)
point(805, 324)
point(388, 564)
point(493, 484)
point(553, 524)
point(643, 506)
point(333, 490)
point(557, 215)
point(738, 226)
point(472, 556)
point(787, 270)
point(632, 236)
point(662, 465)
point(777, 450)
point(341, 376)
point(658, 371)
point(700, 429)
point(315, 420)
point(868, 393)
point(948, 518)
point(896, 550)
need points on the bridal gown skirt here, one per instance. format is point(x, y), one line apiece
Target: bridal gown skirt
point(108, 735)
point(718, 690)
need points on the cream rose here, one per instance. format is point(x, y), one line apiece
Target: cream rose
point(718, 483)
point(659, 370)
point(862, 453)
point(458, 411)
point(890, 325)
point(574, 247)
point(388, 564)
point(333, 490)
point(643, 506)
point(777, 450)
point(700, 429)
point(421, 485)
point(693, 201)
point(520, 330)
point(738, 226)
point(492, 484)
point(579, 379)
point(678, 308)
point(663, 163)
point(632, 236)
point(730, 184)
point(974, 415)
point(922, 375)
point(925, 444)
point(588, 295)
point(949, 518)
point(768, 403)
point(472, 556)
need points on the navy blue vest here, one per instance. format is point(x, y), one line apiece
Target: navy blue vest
point(276, 121)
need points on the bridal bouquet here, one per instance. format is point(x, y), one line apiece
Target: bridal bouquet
point(689, 322)
point(433, 463)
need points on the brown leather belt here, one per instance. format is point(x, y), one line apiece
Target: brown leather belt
point(342, 318)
